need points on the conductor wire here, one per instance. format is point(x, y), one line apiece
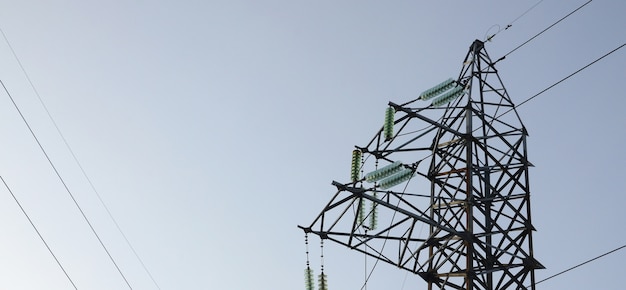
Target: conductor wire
point(38, 233)
point(510, 24)
point(583, 263)
point(80, 166)
point(523, 14)
point(536, 35)
point(93, 230)
point(563, 79)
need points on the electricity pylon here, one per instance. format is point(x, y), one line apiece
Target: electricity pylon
point(458, 212)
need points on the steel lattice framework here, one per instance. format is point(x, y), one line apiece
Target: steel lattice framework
point(462, 221)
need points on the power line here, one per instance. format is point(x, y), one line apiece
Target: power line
point(489, 38)
point(523, 14)
point(583, 263)
point(93, 230)
point(38, 233)
point(563, 79)
point(536, 35)
point(78, 163)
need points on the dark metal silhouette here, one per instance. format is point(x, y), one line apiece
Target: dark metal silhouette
point(462, 220)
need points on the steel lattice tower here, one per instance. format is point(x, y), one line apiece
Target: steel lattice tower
point(460, 215)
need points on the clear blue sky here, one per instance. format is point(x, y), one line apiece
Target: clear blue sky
point(212, 128)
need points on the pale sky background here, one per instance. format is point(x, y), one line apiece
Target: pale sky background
point(212, 128)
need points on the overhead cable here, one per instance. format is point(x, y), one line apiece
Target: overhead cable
point(523, 14)
point(555, 23)
point(38, 233)
point(490, 37)
point(93, 230)
point(583, 263)
point(78, 163)
point(563, 79)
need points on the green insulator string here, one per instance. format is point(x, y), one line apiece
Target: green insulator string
point(356, 172)
point(383, 172)
point(356, 165)
point(437, 90)
point(361, 211)
point(308, 272)
point(388, 126)
point(448, 97)
point(323, 281)
point(402, 176)
point(374, 213)
point(308, 279)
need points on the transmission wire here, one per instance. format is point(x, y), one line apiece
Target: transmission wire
point(523, 14)
point(93, 230)
point(406, 275)
point(555, 23)
point(38, 233)
point(583, 263)
point(563, 79)
point(511, 23)
point(80, 166)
